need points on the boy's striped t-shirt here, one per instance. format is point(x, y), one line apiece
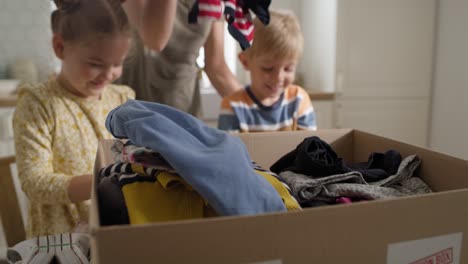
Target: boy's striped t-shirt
point(243, 112)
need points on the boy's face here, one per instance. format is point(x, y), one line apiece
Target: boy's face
point(270, 75)
point(88, 67)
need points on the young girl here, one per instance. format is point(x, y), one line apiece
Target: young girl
point(58, 123)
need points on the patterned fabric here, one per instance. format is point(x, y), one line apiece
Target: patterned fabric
point(127, 152)
point(353, 184)
point(123, 168)
point(237, 14)
point(56, 134)
point(242, 112)
point(60, 248)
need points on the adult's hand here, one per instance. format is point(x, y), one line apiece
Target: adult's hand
point(216, 68)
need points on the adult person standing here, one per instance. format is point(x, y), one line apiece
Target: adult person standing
point(162, 67)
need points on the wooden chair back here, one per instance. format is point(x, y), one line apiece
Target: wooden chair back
point(10, 211)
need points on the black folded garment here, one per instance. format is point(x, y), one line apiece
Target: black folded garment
point(379, 165)
point(315, 158)
point(112, 207)
point(312, 157)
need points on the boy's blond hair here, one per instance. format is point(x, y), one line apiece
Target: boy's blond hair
point(282, 37)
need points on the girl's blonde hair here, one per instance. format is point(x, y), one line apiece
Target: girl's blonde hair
point(282, 37)
point(76, 19)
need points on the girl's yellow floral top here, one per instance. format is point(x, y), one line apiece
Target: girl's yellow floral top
point(56, 137)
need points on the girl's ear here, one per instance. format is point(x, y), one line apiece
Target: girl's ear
point(57, 44)
point(244, 60)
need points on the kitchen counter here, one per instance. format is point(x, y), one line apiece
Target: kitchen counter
point(8, 100)
point(316, 95)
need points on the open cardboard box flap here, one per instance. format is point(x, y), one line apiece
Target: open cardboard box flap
point(355, 233)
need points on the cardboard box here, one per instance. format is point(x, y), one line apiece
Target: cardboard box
point(413, 229)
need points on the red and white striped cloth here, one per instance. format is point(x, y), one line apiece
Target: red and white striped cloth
point(236, 13)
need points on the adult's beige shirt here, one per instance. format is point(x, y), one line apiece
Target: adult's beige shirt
point(171, 76)
point(56, 137)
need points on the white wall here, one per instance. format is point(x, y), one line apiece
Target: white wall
point(25, 34)
point(318, 20)
point(293, 5)
point(449, 131)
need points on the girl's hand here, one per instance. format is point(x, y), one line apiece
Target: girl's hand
point(80, 188)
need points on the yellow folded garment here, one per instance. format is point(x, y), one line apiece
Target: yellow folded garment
point(171, 198)
point(289, 201)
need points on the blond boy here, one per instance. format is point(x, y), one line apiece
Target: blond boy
point(271, 102)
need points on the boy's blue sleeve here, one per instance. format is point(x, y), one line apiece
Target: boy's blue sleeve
point(307, 116)
point(307, 121)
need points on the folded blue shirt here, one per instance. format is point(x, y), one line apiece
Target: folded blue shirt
point(215, 163)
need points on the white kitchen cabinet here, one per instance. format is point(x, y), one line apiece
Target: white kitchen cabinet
point(401, 119)
point(324, 113)
point(381, 69)
point(384, 48)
